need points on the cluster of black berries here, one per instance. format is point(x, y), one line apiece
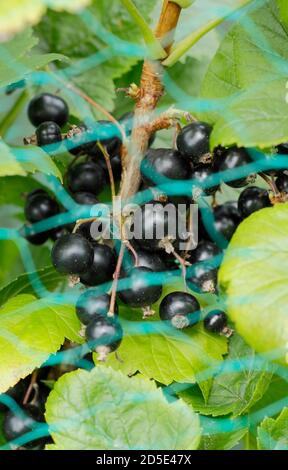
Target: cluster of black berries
point(28, 414)
point(93, 262)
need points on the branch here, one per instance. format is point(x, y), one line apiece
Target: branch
point(152, 42)
point(183, 46)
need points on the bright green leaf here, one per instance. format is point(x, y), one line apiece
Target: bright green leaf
point(282, 5)
point(166, 354)
point(24, 283)
point(222, 441)
point(247, 79)
point(67, 5)
point(103, 409)
point(233, 391)
point(16, 62)
point(31, 330)
point(273, 433)
point(253, 276)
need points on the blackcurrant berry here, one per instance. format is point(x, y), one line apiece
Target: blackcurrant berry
point(204, 251)
point(104, 336)
point(92, 306)
point(252, 199)
point(199, 175)
point(81, 138)
point(72, 254)
point(35, 192)
point(116, 166)
point(231, 159)
point(86, 177)
point(145, 259)
point(85, 198)
point(103, 266)
point(180, 308)
point(283, 148)
point(282, 183)
point(112, 144)
point(159, 164)
point(47, 107)
point(40, 206)
point(202, 277)
point(156, 228)
point(17, 424)
point(48, 133)
point(58, 232)
point(33, 237)
point(215, 321)
point(141, 292)
point(193, 140)
point(227, 219)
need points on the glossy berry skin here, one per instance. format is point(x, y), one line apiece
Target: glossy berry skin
point(72, 254)
point(230, 160)
point(252, 199)
point(215, 321)
point(36, 238)
point(180, 308)
point(35, 192)
point(204, 251)
point(193, 140)
point(16, 425)
point(86, 177)
point(154, 221)
point(81, 140)
point(283, 148)
point(282, 183)
point(200, 174)
point(48, 133)
point(85, 198)
point(159, 164)
point(104, 336)
point(102, 267)
point(92, 306)
point(40, 206)
point(58, 232)
point(227, 219)
point(146, 259)
point(202, 277)
point(111, 144)
point(48, 107)
point(141, 292)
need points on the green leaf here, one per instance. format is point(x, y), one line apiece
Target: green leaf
point(82, 39)
point(31, 330)
point(233, 391)
point(23, 160)
point(15, 15)
point(24, 285)
point(273, 433)
point(103, 409)
point(282, 5)
point(14, 188)
point(222, 441)
point(247, 79)
point(253, 276)
point(16, 62)
point(2, 437)
point(165, 354)
point(276, 392)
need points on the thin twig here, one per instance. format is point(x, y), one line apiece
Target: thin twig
point(30, 387)
point(109, 168)
point(116, 275)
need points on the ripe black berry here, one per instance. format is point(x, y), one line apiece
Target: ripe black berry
point(81, 140)
point(282, 183)
point(40, 206)
point(159, 164)
point(111, 144)
point(180, 308)
point(252, 199)
point(200, 174)
point(103, 266)
point(92, 306)
point(58, 232)
point(227, 219)
point(104, 336)
point(231, 159)
point(72, 254)
point(47, 107)
point(155, 227)
point(283, 148)
point(146, 259)
point(141, 292)
point(85, 198)
point(33, 237)
point(215, 321)
point(86, 177)
point(193, 140)
point(17, 424)
point(48, 133)
point(202, 276)
point(204, 251)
